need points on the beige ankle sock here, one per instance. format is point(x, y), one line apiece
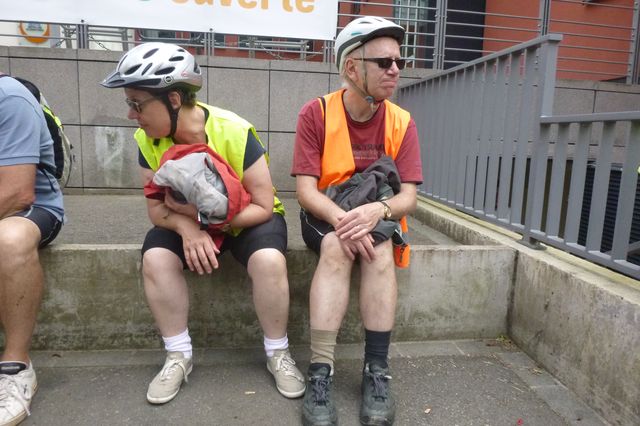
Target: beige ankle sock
point(323, 344)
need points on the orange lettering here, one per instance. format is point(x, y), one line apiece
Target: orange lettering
point(286, 4)
point(247, 4)
point(204, 1)
point(305, 9)
point(180, 1)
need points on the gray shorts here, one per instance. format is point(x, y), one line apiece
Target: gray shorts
point(46, 221)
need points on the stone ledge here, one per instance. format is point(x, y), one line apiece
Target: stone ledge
point(94, 299)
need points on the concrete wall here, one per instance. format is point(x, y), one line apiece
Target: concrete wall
point(267, 93)
point(94, 299)
point(586, 97)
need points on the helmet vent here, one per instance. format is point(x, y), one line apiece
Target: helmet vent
point(167, 70)
point(176, 58)
point(132, 70)
point(144, 71)
point(150, 53)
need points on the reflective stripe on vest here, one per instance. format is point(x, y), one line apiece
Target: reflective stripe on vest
point(338, 164)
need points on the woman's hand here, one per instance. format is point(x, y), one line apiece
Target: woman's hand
point(199, 250)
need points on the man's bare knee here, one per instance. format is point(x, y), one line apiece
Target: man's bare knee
point(19, 240)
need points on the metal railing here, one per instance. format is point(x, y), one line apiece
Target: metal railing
point(492, 148)
point(601, 38)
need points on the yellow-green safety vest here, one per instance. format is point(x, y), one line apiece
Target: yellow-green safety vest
point(227, 135)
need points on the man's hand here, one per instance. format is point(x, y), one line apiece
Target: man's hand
point(357, 223)
point(199, 250)
point(363, 247)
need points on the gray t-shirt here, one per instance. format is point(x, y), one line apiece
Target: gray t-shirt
point(25, 139)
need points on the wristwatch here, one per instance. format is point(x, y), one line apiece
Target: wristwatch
point(387, 210)
point(203, 221)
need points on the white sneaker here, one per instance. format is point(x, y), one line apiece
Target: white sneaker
point(16, 391)
point(166, 385)
point(289, 380)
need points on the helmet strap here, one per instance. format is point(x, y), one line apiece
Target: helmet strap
point(173, 113)
point(364, 91)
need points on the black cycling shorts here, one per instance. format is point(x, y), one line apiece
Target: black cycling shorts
point(271, 234)
point(46, 221)
point(313, 230)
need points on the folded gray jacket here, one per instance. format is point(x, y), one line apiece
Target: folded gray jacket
point(378, 182)
point(197, 179)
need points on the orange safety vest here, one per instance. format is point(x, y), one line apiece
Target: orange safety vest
point(338, 164)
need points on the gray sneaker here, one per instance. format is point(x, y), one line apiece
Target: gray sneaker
point(289, 380)
point(317, 407)
point(165, 386)
point(378, 406)
point(16, 392)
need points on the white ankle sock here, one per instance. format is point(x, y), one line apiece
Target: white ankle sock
point(179, 343)
point(271, 345)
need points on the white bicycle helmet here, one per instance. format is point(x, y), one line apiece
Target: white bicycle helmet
point(156, 66)
point(361, 30)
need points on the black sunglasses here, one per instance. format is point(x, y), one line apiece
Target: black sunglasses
point(385, 63)
point(137, 106)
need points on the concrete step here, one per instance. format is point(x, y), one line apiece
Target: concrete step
point(435, 383)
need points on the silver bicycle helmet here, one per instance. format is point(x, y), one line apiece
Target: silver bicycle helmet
point(361, 30)
point(156, 66)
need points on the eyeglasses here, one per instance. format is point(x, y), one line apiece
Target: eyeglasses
point(137, 106)
point(385, 63)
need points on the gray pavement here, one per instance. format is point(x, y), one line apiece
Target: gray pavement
point(435, 383)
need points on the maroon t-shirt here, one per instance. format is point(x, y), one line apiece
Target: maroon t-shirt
point(367, 144)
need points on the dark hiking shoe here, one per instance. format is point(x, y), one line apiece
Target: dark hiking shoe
point(378, 406)
point(317, 407)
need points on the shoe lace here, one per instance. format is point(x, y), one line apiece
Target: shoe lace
point(320, 390)
point(10, 390)
point(380, 385)
point(171, 367)
point(286, 364)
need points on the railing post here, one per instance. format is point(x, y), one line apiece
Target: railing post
point(545, 16)
point(439, 37)
point(633, 72)
point(209, 42)
point(545, 75)
point(82, 35)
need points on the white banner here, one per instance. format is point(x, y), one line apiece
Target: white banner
point(303, 19)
